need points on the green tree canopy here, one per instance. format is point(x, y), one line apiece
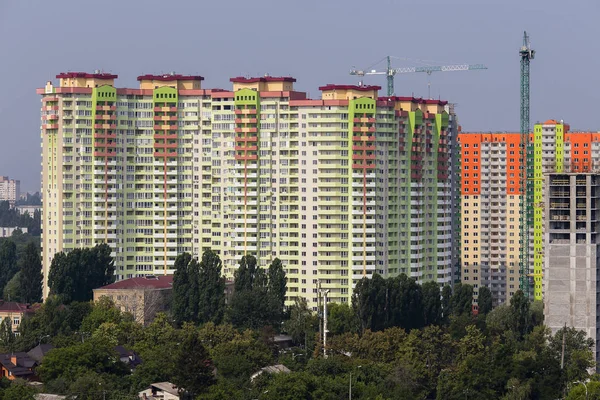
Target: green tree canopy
point(8, 261)
point(211, 289)
point(75, 275)
point(30, 275)
point(484, 300)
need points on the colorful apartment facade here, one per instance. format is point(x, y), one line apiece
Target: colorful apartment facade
point(337, 188)
point(490, 201)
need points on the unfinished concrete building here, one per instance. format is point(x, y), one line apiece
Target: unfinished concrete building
point(572, 226)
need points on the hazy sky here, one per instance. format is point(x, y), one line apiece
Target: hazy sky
point(316, 41)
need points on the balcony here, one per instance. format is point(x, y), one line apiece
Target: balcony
point(165, 136)
point(165, 154)
point(363, 138)
point(104, 154)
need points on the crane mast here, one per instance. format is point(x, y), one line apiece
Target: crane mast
point(525, 170)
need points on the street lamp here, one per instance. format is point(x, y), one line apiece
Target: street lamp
point(350, 391)
point(585, 386)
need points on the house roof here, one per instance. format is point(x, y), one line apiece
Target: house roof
point(142, 282)
point(24, 364)
point(272, 369)
point(39, 351)
point(13, 306)
point(166, 387)
point(132, 359)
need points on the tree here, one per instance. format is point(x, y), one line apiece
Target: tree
point(579, 356)
point(8, 261)
point(341, 319)
point(30, 275)
point(462, 299)
point(250, 305)
point(211, 305)
point(369, 303)
point(578, 391)
point(19, 390)
point(7, 336)
point(239, 358)
point(499, 320)
point(75, 275)
point(277, 289)
point(521, 318)
point(181, 287)
point(73, 361)
point(484, 300)
point(432, 304)
point(301, 323)
point(193, 294)
point(195, 371)
point(11, 290)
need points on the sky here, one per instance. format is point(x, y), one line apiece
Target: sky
point(315, 41)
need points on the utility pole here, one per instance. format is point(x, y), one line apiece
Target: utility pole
point(325, 293)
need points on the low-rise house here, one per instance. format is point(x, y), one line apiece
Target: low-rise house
point(17, 365)
point(16, 312)
point(128, 357)
point(162, 391)
point(143, 296)
point(271, 369)
point(39, 352)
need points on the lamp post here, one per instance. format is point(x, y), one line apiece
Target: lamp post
point(350, 390)
point(325, 293)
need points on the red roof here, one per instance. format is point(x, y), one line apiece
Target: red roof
point(141, 282)
point(170, 77)
point(363, 88)
point(13, 306)
point(414, 100)
point(100, 75)
point(241, 79)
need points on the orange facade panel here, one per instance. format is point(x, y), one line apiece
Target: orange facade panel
point(470, 163)
point(471, 159)
point(581, 150)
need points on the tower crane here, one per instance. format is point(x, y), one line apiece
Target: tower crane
point(526, 170)
point(428, 69)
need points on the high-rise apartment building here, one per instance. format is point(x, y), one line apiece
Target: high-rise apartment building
point(337, 188)
point(10, 190)
point(490, 201)
point(572, 252)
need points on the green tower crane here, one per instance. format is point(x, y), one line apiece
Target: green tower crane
point(525, 170)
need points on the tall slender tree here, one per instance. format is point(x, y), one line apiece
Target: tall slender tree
point(432, 303)
point(194, 371)
point(8, 262)
point(181, 288)
point(211, 305)
point(250, 307)
point(277, 289)
point(484, 300)
point(30, 276)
